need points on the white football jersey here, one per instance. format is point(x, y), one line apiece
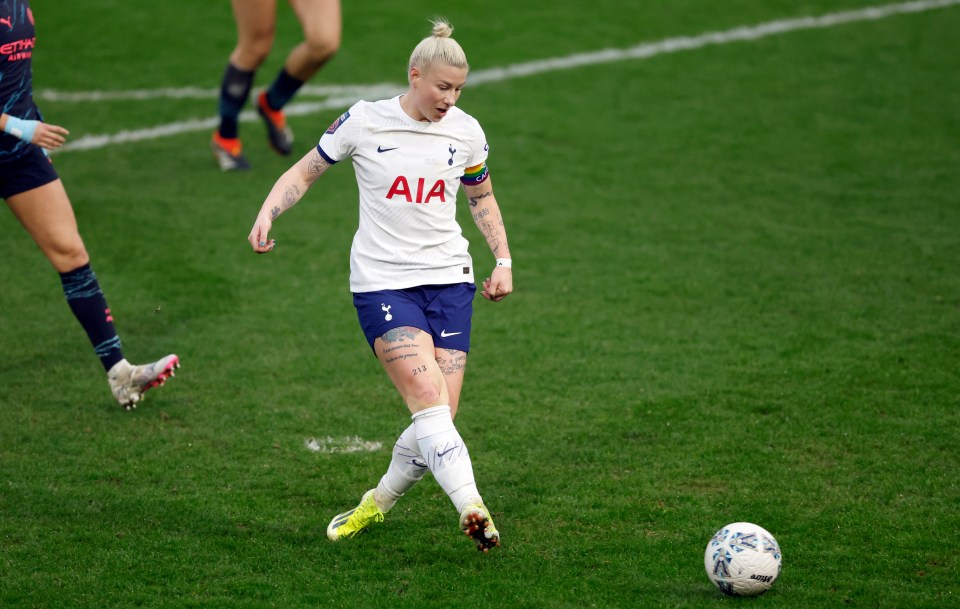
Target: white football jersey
point(408, 174)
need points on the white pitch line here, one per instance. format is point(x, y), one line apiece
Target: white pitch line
point(187, 93)
point(342, 445)
point(93, 142)
point(345, 96)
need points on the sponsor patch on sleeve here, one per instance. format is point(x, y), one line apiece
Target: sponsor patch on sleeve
point(336, 124)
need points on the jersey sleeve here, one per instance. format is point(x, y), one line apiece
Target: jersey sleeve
point(476, 170)
point(478, 145)
point(340, 139)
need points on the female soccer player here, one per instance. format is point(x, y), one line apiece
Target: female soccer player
point(256, 23)
point(35, 194)
point(410, 272)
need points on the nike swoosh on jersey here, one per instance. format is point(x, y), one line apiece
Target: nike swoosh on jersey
point(445, 334)
point(382, 149)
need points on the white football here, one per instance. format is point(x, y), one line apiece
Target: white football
point(743, 559)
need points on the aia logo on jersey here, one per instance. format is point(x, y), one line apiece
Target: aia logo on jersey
point(401, 190)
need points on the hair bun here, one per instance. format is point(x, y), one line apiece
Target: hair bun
point(442, 29)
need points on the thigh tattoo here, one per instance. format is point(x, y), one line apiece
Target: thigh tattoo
point(451, 361)
point(400, 344)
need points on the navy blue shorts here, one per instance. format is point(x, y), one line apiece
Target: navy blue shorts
point(27, 172)
point(444, 311)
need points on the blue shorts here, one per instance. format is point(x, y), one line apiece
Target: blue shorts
point(31, 170)
point(444, 311)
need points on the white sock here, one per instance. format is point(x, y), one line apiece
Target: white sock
point(407, 467)
point(446, 455)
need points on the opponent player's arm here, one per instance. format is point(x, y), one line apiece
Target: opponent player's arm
point(486, 215)
point(286, 193)
point(42, 134)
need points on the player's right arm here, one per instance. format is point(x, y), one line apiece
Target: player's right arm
point(287, 191)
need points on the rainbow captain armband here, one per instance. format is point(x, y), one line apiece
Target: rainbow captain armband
point(474, 176)
point(17, 127)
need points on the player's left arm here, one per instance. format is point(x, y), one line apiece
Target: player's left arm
point(486, 214)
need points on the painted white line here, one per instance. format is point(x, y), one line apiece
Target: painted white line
point(54, 95)
point(93, 142)
point(346, 96)
point(349, 444)
point(689, 43)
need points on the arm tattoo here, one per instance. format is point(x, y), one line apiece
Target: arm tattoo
point(291, 196)
point(489, 231)
point(275, 212)
point(475, 200)
point(487, 225)
point(317, 164)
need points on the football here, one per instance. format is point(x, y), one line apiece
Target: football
point(743, 559)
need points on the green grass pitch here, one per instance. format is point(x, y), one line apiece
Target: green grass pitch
point(737, 298)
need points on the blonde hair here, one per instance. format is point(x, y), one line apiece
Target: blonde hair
point(439, 47)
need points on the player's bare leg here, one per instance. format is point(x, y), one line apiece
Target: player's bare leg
point(321, 21)
point(47, 215)
point(411, 360)
point(256, 27)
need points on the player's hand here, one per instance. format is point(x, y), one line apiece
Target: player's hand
point(498, 285)
point(49, 136)
point(258, 236)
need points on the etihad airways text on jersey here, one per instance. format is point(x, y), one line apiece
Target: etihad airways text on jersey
point(18, 49)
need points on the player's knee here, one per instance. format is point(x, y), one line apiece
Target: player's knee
point(253, 51)
point(423, 393)
point(257, 54)
point(321, 47)
point(67, 258)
